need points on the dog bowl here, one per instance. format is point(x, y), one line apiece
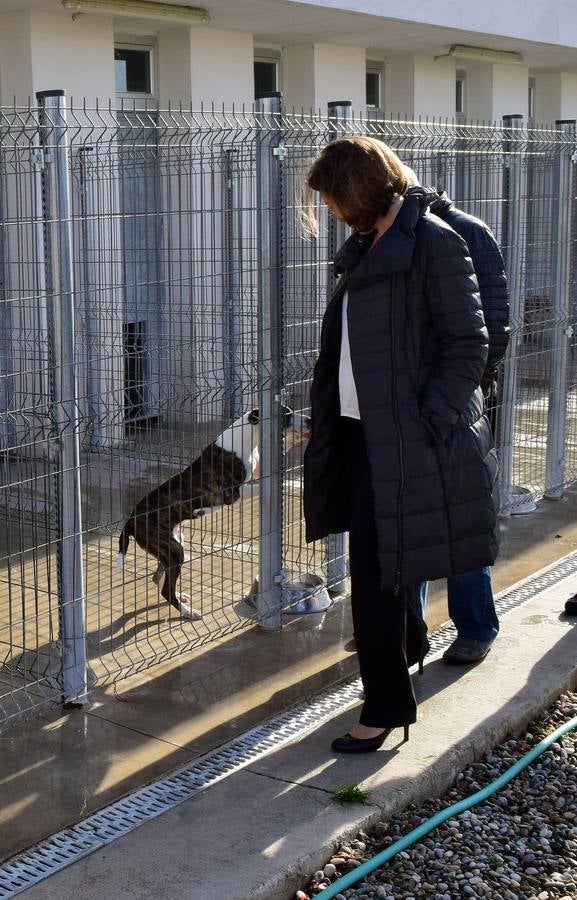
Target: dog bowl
point(302, 594)
point(522, 501)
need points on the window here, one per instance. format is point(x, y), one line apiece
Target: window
point(373, 84)
point(266, 71)
point(460, 94)
point(265, 76)
point(133, 70)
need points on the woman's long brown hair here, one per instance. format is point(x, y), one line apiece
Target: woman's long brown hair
point(362, 175)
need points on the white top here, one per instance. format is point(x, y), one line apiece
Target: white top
point(347, 388)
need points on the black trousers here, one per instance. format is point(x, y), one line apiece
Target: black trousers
point(379, 616)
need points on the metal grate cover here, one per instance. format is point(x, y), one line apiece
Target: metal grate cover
point(116, 820)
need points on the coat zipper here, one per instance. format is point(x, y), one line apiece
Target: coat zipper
point(397, 585)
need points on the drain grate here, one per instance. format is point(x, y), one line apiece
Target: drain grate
point(116, 820)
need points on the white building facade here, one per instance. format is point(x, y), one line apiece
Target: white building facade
point(164, 216)
point(413, 60)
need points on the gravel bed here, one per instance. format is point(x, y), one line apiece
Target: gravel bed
point(521, 844)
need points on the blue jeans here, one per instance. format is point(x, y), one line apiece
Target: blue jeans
point(471, 604)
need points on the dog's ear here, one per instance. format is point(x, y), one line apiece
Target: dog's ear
point(253, 417)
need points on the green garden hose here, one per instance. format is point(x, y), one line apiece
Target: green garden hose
point(456, 809)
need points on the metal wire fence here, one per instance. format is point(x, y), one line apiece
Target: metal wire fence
point(155, 287)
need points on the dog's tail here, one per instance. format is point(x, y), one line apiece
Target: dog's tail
point(123, 542)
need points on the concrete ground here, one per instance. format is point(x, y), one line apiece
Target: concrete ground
point(256, 834)
point(57, 768)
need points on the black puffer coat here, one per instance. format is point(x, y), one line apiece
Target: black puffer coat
point(490, 272)
point(418, 350)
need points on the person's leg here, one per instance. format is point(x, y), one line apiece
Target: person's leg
point(416, 644)
point(472, 609)
point(422, 597)
point(380, 632)
point(472, 606)
point(379, 616)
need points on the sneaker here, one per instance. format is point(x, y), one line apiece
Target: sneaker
point(464, 651)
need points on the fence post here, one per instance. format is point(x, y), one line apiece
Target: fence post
point(269, 154)
point(513, 244)
point(7, 430)
point(63, 390)
point(335, 544)
point(88, 205)
point(231, 283)
point(556, 420)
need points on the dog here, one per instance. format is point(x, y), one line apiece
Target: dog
point(216, 478)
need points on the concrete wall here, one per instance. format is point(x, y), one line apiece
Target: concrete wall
point(478, 91)
point(74, 54)
point(15, 57)
point(340, 74)
point(399, 89)
point(221, 65)
point(510, 92)
point(41, 51)
point(315, 74)
point(174, 67)
point(555, 96)
point(298, 68)
point(420, 86)
point(494, 90)
point(568, 104)
point(434, 87)
point(204, 65)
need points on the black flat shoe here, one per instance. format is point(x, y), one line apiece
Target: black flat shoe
point(571, 606)
point(349, 744)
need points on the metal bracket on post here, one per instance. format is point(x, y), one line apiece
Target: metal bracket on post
point(513, 242)
point(560, 302)
point(57, 214)
point(39, 158)
point(335, 544)
point(269, 231)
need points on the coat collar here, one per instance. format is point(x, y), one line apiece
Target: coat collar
point(441, 204)
point(394, 251)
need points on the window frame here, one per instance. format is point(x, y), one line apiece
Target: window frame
point(149, 46)
point(375, 67)
point(461, 79)
point(531, 98)
point(272, 57)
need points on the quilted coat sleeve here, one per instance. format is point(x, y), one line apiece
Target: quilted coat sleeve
point(451, 292)
point(490, 270)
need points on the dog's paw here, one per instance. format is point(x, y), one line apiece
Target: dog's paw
point(158, 577)
point(186, 609)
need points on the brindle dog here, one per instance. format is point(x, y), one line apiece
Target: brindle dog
point(214, 479)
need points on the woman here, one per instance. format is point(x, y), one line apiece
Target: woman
point(400, 454)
